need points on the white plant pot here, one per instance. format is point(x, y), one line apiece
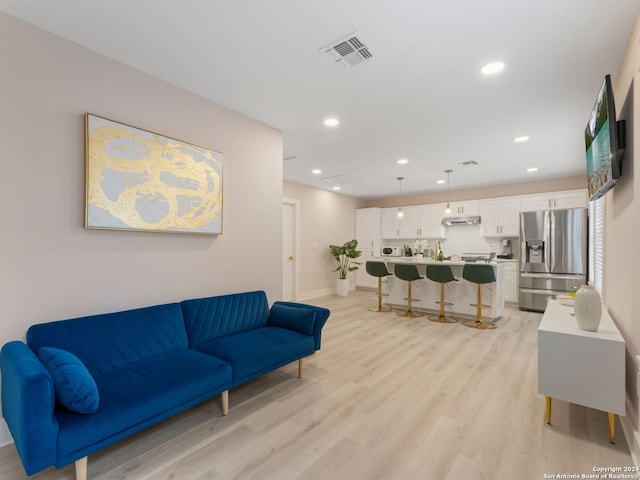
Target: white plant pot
point(342, 287)
point(588, 307)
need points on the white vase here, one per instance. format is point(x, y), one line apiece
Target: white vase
point(342, 286)
point(588, 308)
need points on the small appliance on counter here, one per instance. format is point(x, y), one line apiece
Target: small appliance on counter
point(392, 251)
point(478, 257)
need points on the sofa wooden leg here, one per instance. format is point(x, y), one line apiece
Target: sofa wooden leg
point(224, 397)
point(81, 469)
point(300, 367)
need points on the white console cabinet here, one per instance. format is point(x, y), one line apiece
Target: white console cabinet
point(587, 368)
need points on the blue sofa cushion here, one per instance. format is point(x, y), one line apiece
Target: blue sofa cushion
point(298, 319)
point(209, 318)
point(259, 351)
point(139, 395)
point(73, 384)
point(321, 316)
point(112, 340)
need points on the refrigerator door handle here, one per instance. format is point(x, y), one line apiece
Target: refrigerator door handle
point(543, 292)
point(558, 276)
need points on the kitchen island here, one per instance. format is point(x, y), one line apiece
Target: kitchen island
point(461, 293)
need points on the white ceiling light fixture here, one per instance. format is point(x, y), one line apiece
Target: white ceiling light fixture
point(316, 171)
point(400, 214)
point(532, 169)
point(331, 122)
point(492, 68)
point(336, 188)
point(447, 208)
point(520, 139)
point(440, 182)
point(403, 161)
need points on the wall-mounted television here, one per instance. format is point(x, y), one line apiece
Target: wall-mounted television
point(605, 143)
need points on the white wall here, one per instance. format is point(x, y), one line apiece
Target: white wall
point(325, 218)
point(622, 260)
point(50, 266)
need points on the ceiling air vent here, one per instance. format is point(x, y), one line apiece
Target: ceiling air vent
point(342, 179)
point(467, 163)
point(347, 51)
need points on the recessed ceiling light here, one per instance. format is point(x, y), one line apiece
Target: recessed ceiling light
point(492, 68)
point(403, 161)
point(336, 188)
point(316, 171)
point(532, 169)
point(331, 122)
point(441, 181)
point(521, 139)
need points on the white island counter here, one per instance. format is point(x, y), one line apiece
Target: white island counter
point(461, 293)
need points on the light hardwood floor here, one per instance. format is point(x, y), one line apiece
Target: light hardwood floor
point(385, 398)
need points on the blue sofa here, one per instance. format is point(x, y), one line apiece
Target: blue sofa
point(80, 385)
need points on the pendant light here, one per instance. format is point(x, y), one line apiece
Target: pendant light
point(447, 209)
point(400, 214)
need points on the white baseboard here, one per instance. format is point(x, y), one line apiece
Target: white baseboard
point(630, 434)
point(315, 294)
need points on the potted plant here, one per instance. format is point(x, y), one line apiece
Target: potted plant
point(345, 256)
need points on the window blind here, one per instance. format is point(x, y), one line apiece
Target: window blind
point(596, 243)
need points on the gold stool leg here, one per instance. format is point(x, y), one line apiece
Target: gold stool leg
point(441, 317)
point(612, 427)
point(409, 311)
point(478, 322)
point(379, 307)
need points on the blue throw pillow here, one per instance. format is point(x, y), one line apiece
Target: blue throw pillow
point(74, 386)
point(294, 318)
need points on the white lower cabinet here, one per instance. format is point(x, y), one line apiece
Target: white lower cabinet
point(511, 291)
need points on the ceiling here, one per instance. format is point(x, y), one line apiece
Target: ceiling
point(421, 96)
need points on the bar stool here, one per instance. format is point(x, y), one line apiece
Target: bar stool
point(479, 274)
point(443, 275)
point(378, 269)
point(408, 273)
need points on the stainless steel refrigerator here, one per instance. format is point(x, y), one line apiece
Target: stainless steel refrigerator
point(553, 254)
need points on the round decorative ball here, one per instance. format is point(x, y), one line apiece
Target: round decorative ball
point(588, 306)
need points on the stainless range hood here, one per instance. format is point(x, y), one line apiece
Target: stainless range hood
point(469, 220)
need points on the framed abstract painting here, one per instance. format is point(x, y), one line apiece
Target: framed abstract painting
point(143, 181)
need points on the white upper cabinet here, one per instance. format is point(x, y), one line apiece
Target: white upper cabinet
point(551, 201)
point(463, 209)
point(500, 217)
point(408, 227)
point(431, 221)
point(424, 221)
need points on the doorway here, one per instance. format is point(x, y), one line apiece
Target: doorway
point(289, 250)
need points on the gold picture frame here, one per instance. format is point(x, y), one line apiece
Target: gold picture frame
point(143, 181)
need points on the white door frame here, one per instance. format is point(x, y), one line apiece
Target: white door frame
point(295, 243)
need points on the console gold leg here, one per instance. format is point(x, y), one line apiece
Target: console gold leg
point(612, 427)
point(547, 404)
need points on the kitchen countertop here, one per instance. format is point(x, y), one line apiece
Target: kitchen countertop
point(431, 261)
